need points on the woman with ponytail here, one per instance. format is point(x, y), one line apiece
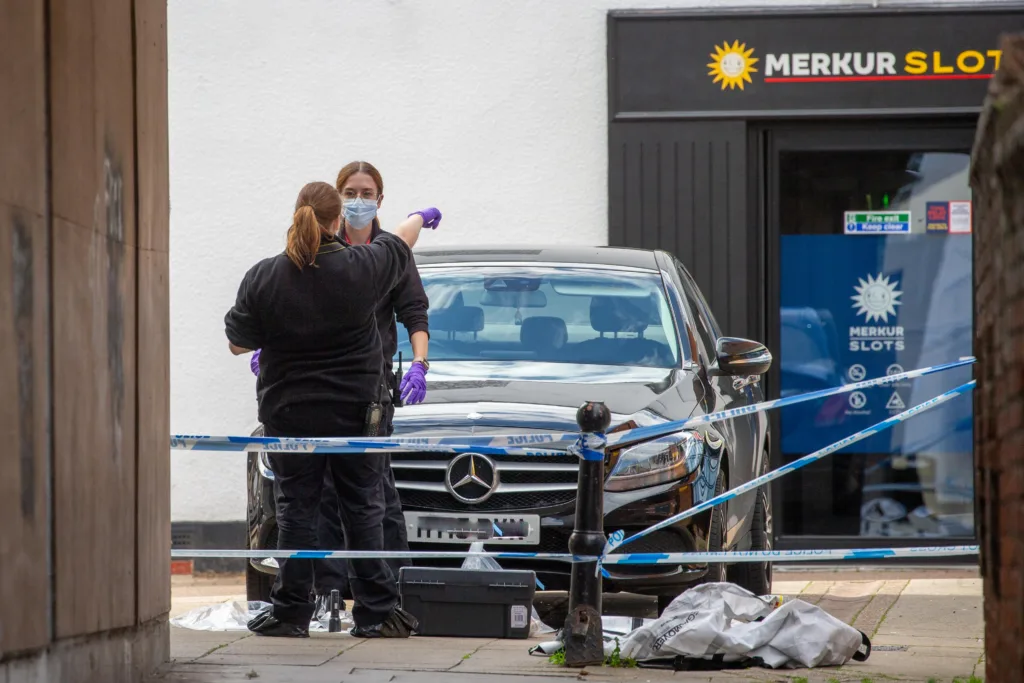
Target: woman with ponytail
point(305, 236)
point(362, 192)
point(311, 309)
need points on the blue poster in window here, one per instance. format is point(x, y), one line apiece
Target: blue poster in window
point(855, 308)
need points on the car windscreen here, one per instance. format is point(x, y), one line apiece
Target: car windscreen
point(548, 314)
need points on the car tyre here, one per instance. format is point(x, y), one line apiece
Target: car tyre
point(716, 540)
point(257, 583)
point(552, 611)
point(756, 577)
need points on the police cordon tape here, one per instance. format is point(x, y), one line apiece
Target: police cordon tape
point(624, 558)
point(618, 539)
point(520, 444)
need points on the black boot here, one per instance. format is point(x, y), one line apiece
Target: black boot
point(266, 624)
point(399, 624)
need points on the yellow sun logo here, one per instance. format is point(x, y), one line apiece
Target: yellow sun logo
point(732, 64)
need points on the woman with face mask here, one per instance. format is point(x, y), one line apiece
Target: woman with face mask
point(361, 188)
point(362, 193)
point(311, 310)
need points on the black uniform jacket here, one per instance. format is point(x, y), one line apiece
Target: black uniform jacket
point(316, 326)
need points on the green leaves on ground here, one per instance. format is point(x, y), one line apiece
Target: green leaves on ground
point(615, 659)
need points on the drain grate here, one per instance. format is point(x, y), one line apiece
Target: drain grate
point(890, 648)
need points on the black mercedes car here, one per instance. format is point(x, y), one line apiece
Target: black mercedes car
point(520, 337)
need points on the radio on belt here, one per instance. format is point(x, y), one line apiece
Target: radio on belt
point(468, 603)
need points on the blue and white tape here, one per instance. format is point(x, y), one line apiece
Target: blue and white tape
point(854, 554)
point(520, 444)
point(301, 445)
point(848, 554)
point(589, 446)
point(364, 554)
point(796, 464)
point(653, 431)
point(592, 442)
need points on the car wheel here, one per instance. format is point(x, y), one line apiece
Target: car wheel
point(552, 610)
point(756, 577)
point(257, 583)
point(716, 540)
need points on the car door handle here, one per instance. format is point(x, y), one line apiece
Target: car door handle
point(741, 382)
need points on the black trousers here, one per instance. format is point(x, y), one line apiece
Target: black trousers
point(298, 488)
point(329, 575)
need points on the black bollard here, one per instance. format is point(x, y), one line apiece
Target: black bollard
point(583, 634)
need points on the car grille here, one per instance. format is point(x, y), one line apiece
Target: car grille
point(556, 540)
point(526, 482)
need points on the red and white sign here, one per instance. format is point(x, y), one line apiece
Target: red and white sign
point(960, 218)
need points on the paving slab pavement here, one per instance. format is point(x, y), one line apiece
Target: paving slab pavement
point(924, 626)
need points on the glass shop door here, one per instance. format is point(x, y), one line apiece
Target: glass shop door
point(869, 257)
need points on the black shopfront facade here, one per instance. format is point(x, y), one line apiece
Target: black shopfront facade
point(811, 169)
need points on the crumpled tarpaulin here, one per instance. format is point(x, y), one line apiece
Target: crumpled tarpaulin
point(721, 622)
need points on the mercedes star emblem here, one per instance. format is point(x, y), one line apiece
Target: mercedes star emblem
point(471, 478)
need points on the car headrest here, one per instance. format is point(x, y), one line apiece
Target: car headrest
point(525, 299)
point(457, 319)
point(620, 314)
point(540, 333)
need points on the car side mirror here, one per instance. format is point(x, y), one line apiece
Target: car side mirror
point(741, 357)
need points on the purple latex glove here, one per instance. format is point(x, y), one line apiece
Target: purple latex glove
point(431, 217)
point(254, 362)
point(414, 385)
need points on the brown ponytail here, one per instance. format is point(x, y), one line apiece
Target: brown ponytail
point(317, 207)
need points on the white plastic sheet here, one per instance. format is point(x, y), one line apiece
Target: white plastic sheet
point(721, 619)
point(233, 615)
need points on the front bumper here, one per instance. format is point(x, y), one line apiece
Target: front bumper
point(630, 511)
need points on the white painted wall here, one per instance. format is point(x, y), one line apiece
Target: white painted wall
point(492, 110)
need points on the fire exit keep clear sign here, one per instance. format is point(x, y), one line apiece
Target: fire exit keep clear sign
point(876, 222)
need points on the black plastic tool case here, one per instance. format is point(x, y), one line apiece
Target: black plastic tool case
point(468, 603)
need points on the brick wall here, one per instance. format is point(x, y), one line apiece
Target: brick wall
point(998, 183)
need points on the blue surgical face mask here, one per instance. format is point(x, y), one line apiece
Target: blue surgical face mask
point(359, 212)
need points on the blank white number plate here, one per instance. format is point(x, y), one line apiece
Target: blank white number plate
point(431, 527)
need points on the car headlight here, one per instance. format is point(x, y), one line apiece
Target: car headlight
point(656, 462)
